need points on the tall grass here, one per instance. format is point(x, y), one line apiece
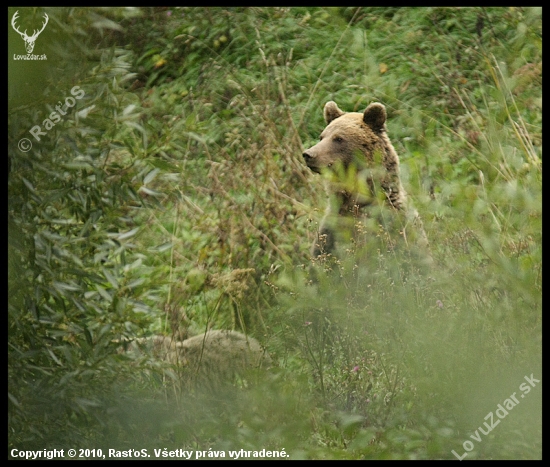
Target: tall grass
point(375, 357)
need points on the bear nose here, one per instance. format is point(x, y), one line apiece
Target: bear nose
point(307, 157)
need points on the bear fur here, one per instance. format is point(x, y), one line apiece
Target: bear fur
point(210, 359)
point(357, 156)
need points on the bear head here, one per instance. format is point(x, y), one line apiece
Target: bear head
point(358, 140)
point(347, 136)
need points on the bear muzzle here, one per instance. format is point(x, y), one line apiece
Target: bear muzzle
point(310, 162)
point(313, 162)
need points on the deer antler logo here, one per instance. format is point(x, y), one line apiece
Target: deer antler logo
point(29, 41)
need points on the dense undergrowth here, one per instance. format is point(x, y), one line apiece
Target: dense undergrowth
point(173, 198)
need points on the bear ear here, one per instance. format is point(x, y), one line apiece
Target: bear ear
point(332, 112)
point(375, 116)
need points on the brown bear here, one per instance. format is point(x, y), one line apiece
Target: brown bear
point(356, 155)
point(210, 359)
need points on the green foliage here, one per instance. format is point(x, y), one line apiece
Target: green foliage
point(172, 198)
point(76, 280)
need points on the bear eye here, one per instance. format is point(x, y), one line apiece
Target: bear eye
point(338, 139)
